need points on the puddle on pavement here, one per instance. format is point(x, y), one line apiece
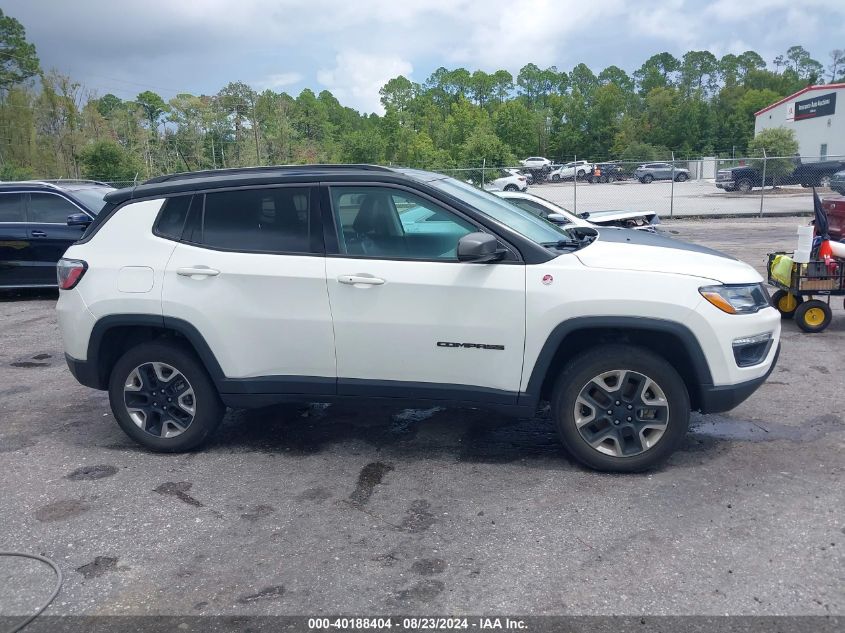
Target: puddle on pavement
point(724, 428)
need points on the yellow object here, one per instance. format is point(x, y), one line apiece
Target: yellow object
point(782, 269)
point(814, 317)
point(787, 303)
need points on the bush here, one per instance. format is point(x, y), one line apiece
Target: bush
point(106, 160)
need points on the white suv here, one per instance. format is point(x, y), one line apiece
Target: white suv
point(250, 287)
point(578, 168)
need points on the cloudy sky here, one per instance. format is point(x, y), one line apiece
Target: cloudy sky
point(353, 48)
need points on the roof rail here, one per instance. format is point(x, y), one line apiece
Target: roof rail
point(247, 170)
point(75, 181)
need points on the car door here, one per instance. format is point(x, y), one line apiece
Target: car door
point(248, 273)
point(15, 254)
point(410, 320)
point(48, 233)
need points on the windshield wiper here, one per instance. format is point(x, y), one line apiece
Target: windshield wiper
point(561, 244)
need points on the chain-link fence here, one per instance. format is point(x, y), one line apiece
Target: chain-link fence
point(708, 186)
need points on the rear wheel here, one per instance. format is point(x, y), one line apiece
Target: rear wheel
point(744, 185)
point(620, 408)
point(681, 177)
point(824, 182)
point(581, 173)
point(647, 179)
point(813, 316)
point(786, 303)
point(511, 188)
point(555, 177)
point(163, 398)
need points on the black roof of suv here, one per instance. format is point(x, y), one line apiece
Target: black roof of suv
point(247, 176)
point(86, 194)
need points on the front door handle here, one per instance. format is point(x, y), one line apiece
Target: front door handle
point(197, 271)
point(355, 280)
point(39, 234)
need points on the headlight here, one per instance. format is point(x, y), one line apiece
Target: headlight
point(737, 299)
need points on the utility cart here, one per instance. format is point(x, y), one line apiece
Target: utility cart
point(799, 284)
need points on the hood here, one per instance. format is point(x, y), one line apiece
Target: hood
point(626, 249)
point(618, 214)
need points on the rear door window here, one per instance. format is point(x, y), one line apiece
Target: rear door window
point(267, 220)
point(11, 207)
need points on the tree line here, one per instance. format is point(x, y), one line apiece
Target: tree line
point(698, 104)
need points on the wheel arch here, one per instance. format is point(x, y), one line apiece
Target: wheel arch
point(113, 335)
point(673, 341)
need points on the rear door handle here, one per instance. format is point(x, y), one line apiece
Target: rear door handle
point(197, 271)
point(354, 280)
point(39, 234)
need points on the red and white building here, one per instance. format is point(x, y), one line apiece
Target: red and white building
point(815, 116)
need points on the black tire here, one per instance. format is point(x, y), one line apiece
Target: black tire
point(648, 178)
point(581, 173)
point(813, 316)
point(786, 303)
point(744, 185)
point(555, 177)
point(578, 376)
point(610, 179)
point(208, 409)
point(681, 178)
point(511, 188)
point(824, 182)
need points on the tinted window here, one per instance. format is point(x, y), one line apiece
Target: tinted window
point(391, 223)
point(11, 207)
point(268, 220)
point(50, 208)
point(529, 205)
point(172, 217)
point(92, 197)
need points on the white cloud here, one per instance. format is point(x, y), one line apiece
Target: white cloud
point(279, 80)
point(357, 77)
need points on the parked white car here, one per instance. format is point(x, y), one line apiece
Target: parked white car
point(535, 162)
point(508, 180)
point(324, 283)
point(579, 168)
point(641, 220)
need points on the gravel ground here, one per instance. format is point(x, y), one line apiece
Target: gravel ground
point(374, 510)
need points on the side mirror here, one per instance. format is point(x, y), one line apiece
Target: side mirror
point(584, 215)
point(480, 248)
point(78, 219)
point(557, 218)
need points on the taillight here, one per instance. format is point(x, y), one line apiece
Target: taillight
point(69, 272)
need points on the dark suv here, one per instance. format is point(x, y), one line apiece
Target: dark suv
point(38, 221)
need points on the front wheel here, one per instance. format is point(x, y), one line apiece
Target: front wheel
point(620, 408)
point(163, 398)
point(647, 179)
point(555, 177)
point(824, 182)
point(511, 188)
point(681, 178)
point(744, 185)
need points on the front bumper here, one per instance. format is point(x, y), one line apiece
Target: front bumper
point(725, 184)
point(716, 399)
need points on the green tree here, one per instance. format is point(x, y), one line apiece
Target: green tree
point(779, 143)
point(18, 61)
point(514, 124)
point(106, 160)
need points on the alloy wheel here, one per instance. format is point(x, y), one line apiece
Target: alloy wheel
point(621, 413)
point(159, 399)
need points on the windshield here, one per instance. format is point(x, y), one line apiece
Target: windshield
point(92, 197)
point(523, 222)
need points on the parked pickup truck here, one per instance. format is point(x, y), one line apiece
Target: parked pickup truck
point(744, 178)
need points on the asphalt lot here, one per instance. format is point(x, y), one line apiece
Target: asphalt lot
point(690, 198)
point(375, 510)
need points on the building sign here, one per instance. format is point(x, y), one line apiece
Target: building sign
point(817, 106)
